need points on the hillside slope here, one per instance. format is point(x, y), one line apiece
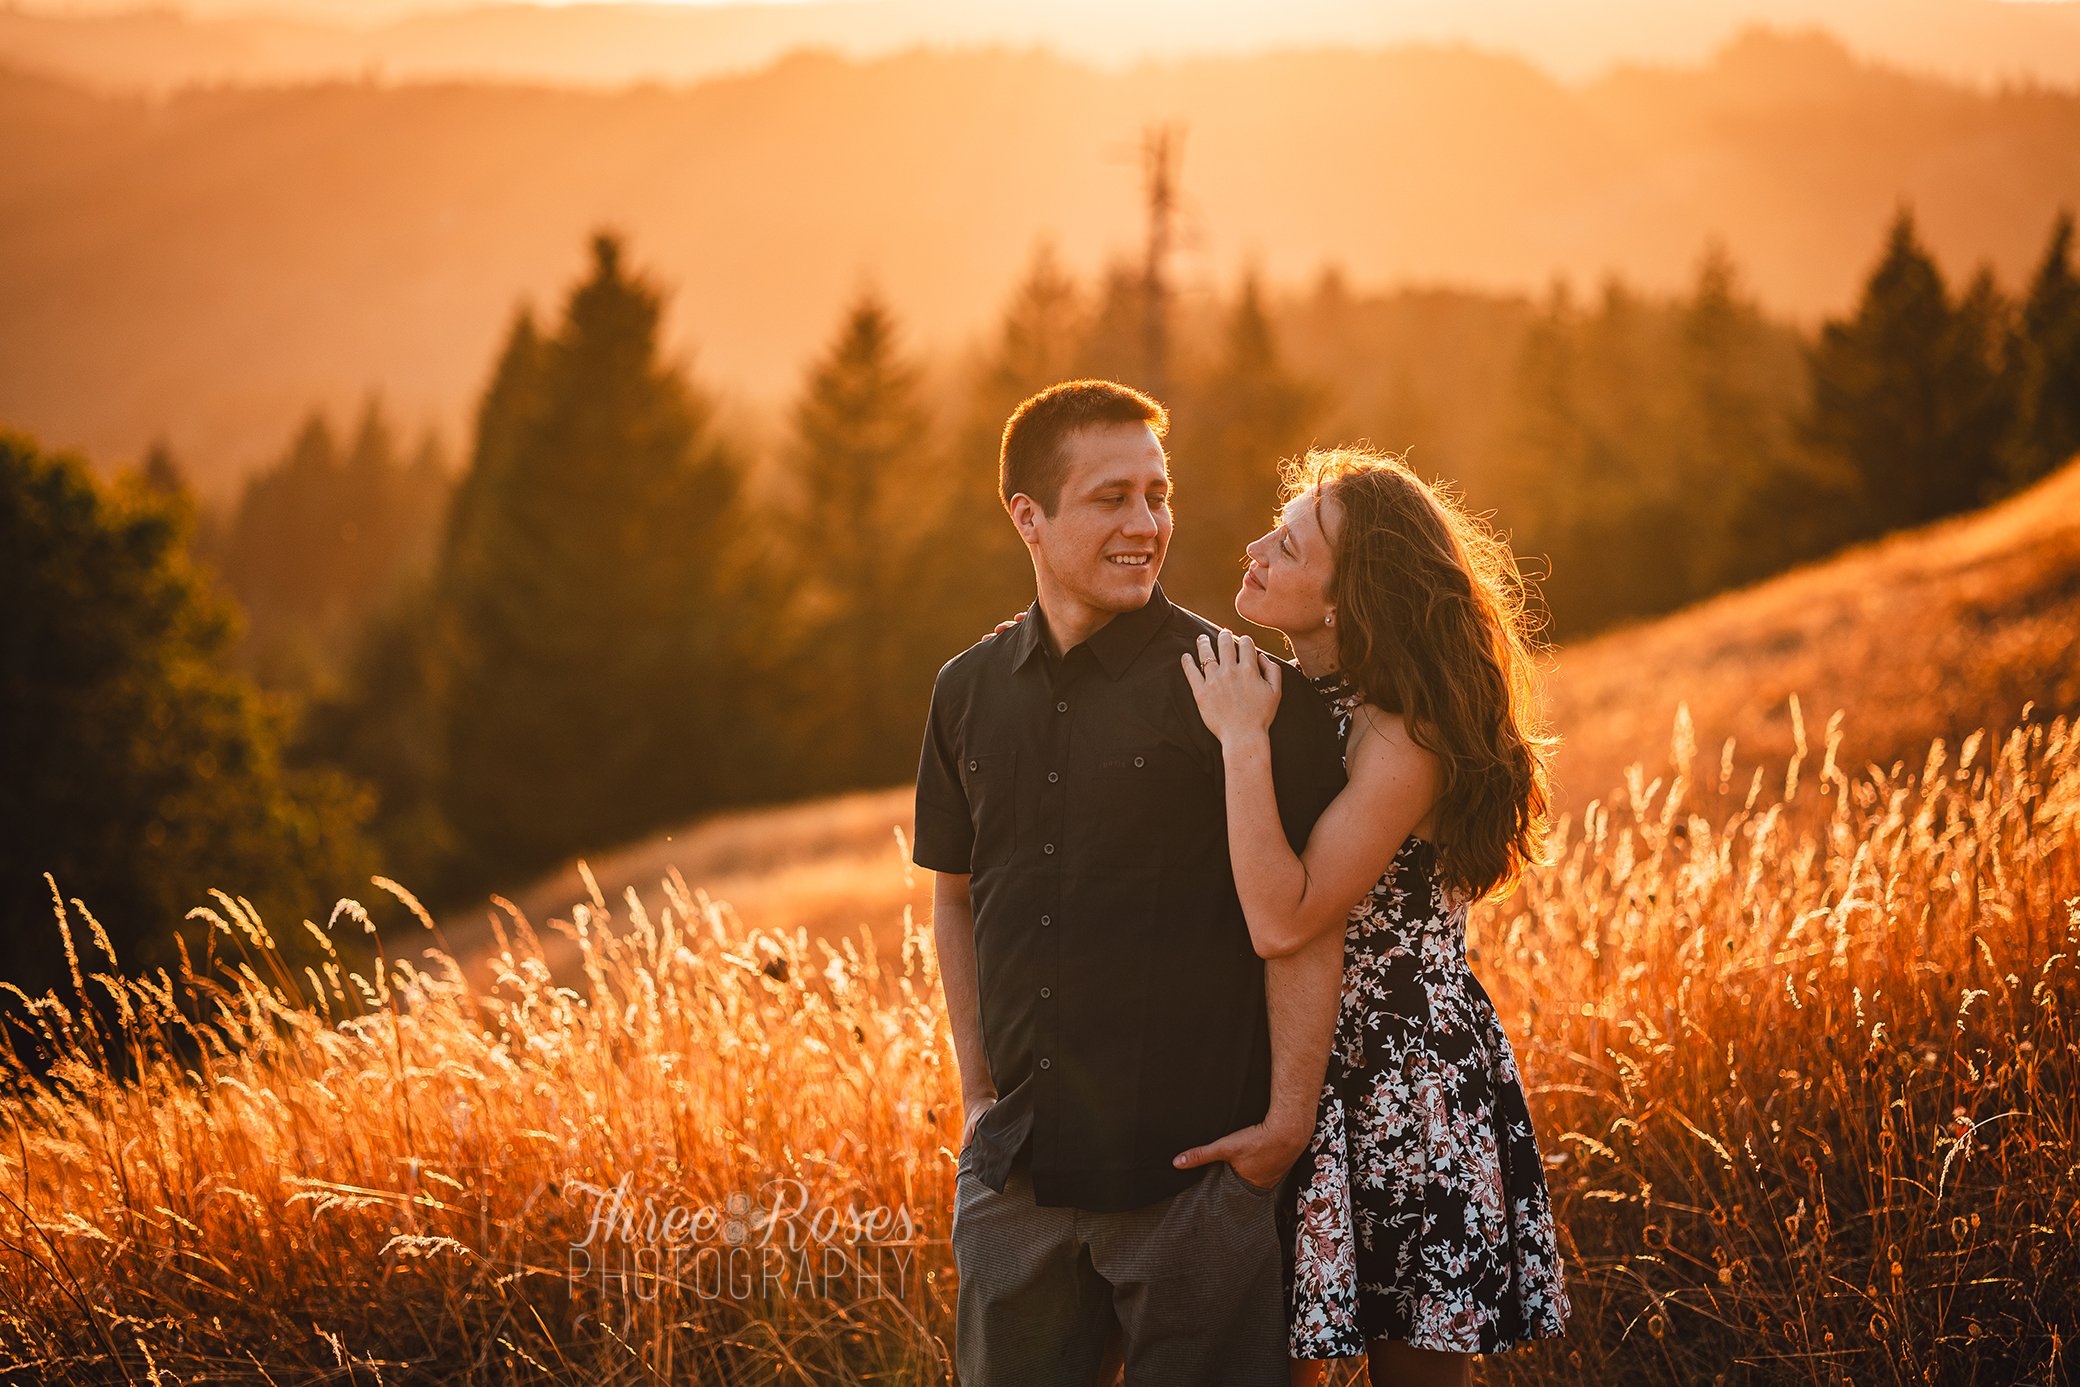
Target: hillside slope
point(1931, 633)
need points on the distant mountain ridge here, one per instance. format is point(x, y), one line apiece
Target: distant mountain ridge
point(215, 263)
point(157, 44)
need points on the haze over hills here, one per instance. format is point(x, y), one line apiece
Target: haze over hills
point(130, 43)
point(213, 264)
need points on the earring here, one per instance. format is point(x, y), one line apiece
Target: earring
point(1329, 620)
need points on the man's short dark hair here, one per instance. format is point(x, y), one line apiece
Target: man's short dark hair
point(1035, 455)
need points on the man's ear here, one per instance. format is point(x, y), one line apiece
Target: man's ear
point(1025, 514)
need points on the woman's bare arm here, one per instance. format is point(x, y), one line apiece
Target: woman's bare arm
point(1291, 898)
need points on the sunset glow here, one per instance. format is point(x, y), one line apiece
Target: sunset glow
point(1407, 668)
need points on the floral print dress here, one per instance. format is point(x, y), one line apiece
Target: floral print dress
point(1422, 1213)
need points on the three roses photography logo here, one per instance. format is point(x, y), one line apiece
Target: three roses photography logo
point(765, 1245)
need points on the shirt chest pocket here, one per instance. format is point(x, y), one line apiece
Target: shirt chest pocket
point(1157, 793)
point(990, 780)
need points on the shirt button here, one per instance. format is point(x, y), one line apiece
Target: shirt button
point(1138, 763)
point(1046, 920)
point(1047, 992)
point(1049, 850)
point(1053, 776)
point(972, 765)
point(1061, 707)
point(1047, 1064)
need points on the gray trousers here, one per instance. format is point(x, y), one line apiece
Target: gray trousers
point(1193, 1280)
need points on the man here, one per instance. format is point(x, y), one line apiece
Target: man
point(1107, 1009)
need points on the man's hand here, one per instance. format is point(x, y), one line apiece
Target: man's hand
point(1258, 1154)
point(973, 1109)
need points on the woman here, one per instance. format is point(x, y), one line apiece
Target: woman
point(1424, 1229)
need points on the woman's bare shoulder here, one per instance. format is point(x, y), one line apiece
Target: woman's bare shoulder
point(1380, 743)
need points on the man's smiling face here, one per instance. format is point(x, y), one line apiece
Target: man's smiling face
point(1105, 542)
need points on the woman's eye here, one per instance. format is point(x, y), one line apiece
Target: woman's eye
point(1285, 548)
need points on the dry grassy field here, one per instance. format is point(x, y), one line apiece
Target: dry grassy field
point(1799, 1040)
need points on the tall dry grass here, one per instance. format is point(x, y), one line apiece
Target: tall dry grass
point(380, 1178)
point(1806, 1074)
point(1803, 1066)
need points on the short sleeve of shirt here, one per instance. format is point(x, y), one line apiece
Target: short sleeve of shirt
point(1306, 760)
point(945, 832)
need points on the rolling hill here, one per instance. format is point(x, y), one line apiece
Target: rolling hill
point(1929, 634)
point(1932, 633)
point(213, 264)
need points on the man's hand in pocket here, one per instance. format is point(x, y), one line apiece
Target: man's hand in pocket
point(1259, 1155)
point(973, 1111)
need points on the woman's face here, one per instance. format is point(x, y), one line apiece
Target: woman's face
point(1286, 585)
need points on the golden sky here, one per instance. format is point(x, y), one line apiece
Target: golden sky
point(1982, 40)
point(182, 270)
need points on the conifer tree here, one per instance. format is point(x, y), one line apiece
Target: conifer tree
point(975, 566)
point(1627, 540)
point(323, 540)
point(417, 501)
point(389, 724)
point(1987, 382)
point(1719, 441)
point(1553, 449)
point(1115, 342)
point(587, 696)
point(1904, 393)
point(1244, 414)
point(280, 554)
point(140, 771)
point(860, 466)
point(363, 516)
point(161, 473)
point(1750, 502)
point(474, 518)
point(2046, 351)
point(385, 727)
point(383, 724)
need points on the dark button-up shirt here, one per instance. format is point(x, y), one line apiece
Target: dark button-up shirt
point(1122, 1005)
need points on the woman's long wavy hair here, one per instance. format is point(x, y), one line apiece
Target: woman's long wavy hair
point(1431, 623)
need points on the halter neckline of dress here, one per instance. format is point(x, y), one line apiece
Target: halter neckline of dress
point(1334, 686)
point(1342, 694)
